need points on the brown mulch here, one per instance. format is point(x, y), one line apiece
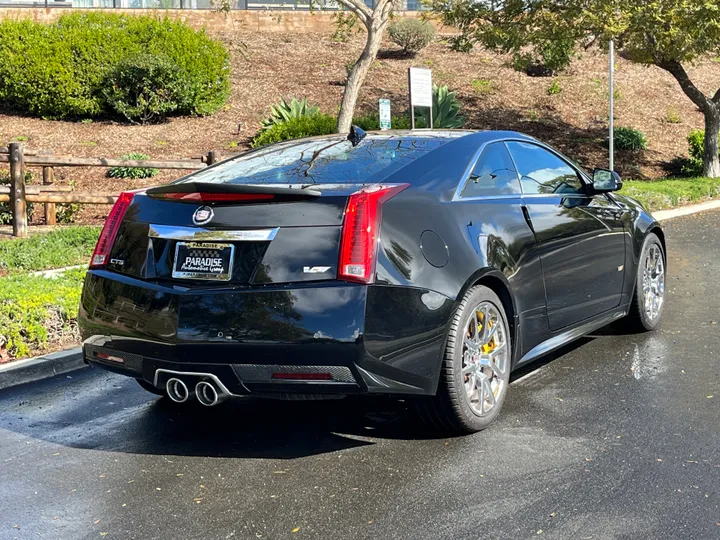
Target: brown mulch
point(311, 65)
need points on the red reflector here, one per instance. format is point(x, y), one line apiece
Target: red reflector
point(105, 356)
point(358, 243)
point(110, 229)
point(303, 376)
point(214, 197)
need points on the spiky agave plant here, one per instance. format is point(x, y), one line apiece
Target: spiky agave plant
point(284, 111)
point(446, 109)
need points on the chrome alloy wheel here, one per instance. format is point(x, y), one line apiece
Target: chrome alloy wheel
point(485, 358)
point(654, 282)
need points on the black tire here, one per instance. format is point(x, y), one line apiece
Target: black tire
point(638, 318)
point(151, 388)
point(450, 409)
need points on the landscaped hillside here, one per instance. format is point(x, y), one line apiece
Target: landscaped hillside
point(266, 67)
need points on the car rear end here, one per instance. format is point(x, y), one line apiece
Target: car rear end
point(250, 277)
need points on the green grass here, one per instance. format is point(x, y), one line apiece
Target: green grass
point(36, 312)
point(64, 246)
point(664, 194)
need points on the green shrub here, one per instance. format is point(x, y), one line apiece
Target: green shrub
point(35, 310)
point(65, 213)
point(627, 138)
point(61, 70)
point(132, 172)
point(284, 111)
point(411, 34)
point(482, 87)
point(295, 128)
point(696, 149)
point(673, 116)
point(144, 88)
point(554, 89)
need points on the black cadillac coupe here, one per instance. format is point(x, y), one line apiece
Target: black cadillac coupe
point(424, 264)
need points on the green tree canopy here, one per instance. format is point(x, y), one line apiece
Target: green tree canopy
point(669, 34)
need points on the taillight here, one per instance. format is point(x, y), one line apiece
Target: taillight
point(358, 243)
point(110, 229)
point(213, 197)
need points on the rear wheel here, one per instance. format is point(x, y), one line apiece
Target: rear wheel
point(649, 298)
point(151, 388)
point(476, 368)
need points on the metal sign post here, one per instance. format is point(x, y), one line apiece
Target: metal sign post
point(421, 95)
point(612, 105)
point(385, 115)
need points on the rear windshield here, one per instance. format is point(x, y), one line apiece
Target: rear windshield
point(325, 161)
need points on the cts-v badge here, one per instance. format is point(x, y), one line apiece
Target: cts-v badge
point(203, 215)
point(316, 269)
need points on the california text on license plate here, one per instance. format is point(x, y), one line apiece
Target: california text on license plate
point(203, 260)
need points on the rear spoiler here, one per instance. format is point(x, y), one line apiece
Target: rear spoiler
point(213, 192)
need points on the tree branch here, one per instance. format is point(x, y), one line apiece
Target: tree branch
point(363, 12)
point(716, 97)
point(676, 69)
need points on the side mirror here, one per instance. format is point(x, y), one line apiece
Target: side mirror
point(605, 181)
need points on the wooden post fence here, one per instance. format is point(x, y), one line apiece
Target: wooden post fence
point(49, 194)
point(48, 178)
point(18, 205)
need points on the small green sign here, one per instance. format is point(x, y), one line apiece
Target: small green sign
point(385, 122)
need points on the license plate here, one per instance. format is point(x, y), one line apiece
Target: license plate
point(203, 260)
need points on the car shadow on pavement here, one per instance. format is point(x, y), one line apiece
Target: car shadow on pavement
point(103, 411)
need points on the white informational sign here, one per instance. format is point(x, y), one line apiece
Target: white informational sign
point(420, 87)
point(385, 116)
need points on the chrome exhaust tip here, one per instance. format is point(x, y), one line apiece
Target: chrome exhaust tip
point(177, 390)
point(207, 394)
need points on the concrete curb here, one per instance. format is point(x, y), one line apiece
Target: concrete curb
point(662, 215)
point(42, 367)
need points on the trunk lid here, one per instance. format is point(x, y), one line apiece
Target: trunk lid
point(263, 234)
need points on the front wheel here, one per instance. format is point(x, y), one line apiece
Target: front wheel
point(649, 298)
point(476, 368)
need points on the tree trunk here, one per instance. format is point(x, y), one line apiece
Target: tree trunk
point(711, 161)
point(355, 80)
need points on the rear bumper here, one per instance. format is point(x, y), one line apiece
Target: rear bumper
point(370, 339)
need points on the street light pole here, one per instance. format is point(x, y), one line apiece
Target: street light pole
point(612, 105)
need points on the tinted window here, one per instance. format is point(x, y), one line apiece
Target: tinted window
point(494, 174)
point(323, 161)
point(542, 171)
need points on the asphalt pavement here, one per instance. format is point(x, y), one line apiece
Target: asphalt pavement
point(615, 437)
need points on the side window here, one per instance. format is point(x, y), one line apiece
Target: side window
point(494, 174)
point(543, 172)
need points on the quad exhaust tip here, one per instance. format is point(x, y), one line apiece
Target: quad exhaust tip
point(207, 394)
point(177, 390)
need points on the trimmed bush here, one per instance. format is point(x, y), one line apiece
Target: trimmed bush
point(132, 172)
point(62, 70)
point(627, 138)
point(412, 35)
point(144, 88)
point(696, 149)
point(296, 128)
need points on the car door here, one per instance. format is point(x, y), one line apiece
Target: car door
point(489, 203)
point(580, 236)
